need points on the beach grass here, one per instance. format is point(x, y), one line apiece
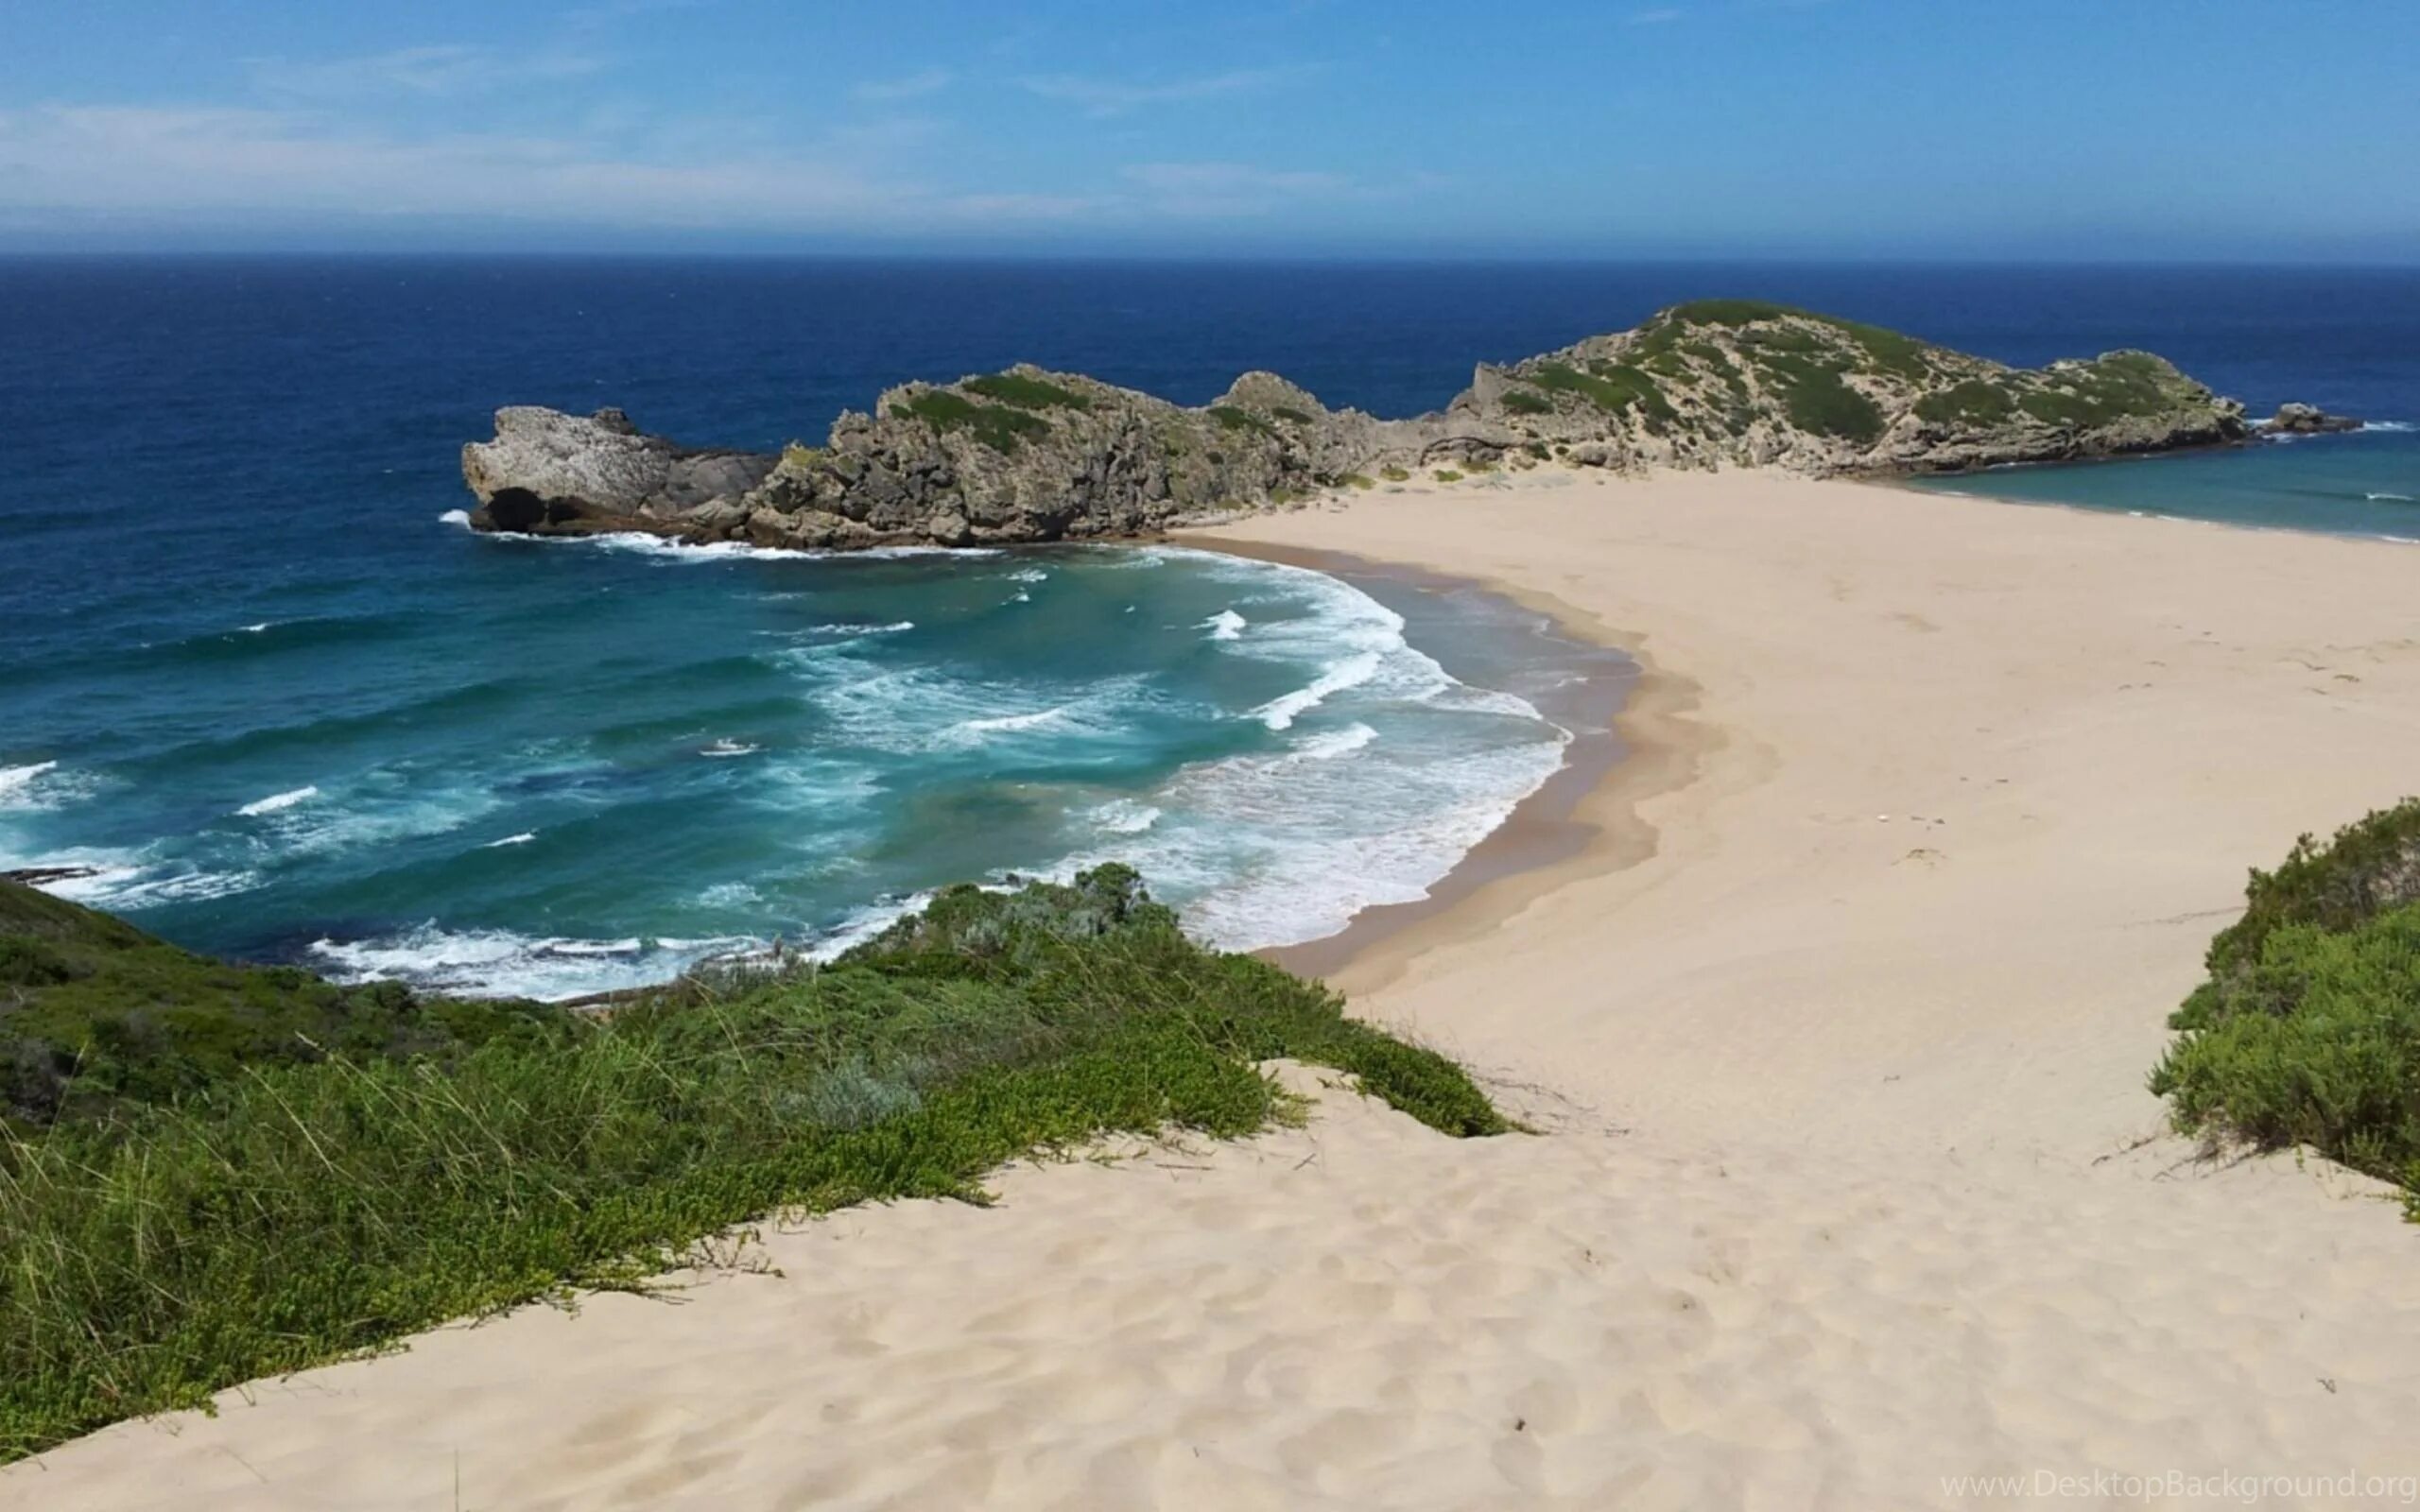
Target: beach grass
point(2306, 1031)
point(284, 1215)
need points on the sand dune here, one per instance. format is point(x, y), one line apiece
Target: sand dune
point(1847, 1184)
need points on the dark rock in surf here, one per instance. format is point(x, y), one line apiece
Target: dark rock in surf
point(2304, 420)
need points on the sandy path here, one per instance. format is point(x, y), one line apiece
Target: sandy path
point(1842, 1192)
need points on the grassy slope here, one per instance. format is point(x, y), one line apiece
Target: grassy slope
point(96, 1016)
point(283, 1216)
point(2307, 1028)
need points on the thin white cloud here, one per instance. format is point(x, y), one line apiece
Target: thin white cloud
point(914, 86)
point(445, 69)
point(1228, 189)
point(174, 159)
point(1111, 97)
point(1654, 18)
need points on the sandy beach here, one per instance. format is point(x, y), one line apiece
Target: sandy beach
point(1847, 1192)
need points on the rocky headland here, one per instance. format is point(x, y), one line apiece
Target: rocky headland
point(1029, 455)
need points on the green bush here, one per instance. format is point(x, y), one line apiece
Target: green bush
point(1609, 386)
point(2369, 866)
point(1972, 401)
point(1523, 402)
point(1234, 418)
point(2307, 1028)
point(284, 1215)
point(1000, 427)
point(1024, 392)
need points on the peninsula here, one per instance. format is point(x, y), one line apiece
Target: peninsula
point(1028, 455)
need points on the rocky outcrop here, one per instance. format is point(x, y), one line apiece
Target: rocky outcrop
point(1028, 455)
point(551, 473)
point(2306, 420)
point(1733, 383)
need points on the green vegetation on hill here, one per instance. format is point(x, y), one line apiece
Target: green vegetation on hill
point(1611, 386)
point(98, 1019)
point(275, 1211)
point(2307, 1029)
point(1026, 393)
point(1001, 427)
point(1235, 419)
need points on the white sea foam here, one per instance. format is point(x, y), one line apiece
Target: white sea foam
point(1280, 713)
point(1330, 743)
point(523, 838)
point(1055, 718)
point(377, 809)
point(19, 784)
point(278, 802)
point(255, 630)
point(730, 747)
point(1264, 850)
point(2388, 498)
point(1028, 574)
point(456, 517)
point(2392, 427)
point(132, 881)
point(1224, 626)
point(501, 963)
point(1123, 817)
point(729, 895)
point(843, 632)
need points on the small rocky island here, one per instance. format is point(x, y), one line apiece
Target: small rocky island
point(1030, 455)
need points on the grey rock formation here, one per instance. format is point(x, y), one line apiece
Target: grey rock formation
point(551, 473)
point(1031, 455)
point(2306, 420)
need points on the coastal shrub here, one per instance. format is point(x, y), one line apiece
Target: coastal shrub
point(796, 455)
point(1728, 311)
point(1026, 393)
point(2367, 867)
point(1972, 401)
point(1395, 474)
point(1290, 413)
point(283, 1216)
point(1610, 386)
point(1817, 400)
point(98, 1019)
point(1447, 474)
point(1358, 480)
point(2306, 1030)
point(1234, 419)
point(1524, 402)
point(1000, 427)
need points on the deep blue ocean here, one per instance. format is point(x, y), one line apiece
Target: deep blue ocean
point(282, 707)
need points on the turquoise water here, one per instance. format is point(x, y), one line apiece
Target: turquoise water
point(595, 762)
point(2363, 484)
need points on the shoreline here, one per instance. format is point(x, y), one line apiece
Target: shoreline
point(1581, 821)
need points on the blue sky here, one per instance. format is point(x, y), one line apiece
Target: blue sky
point(1968, 128)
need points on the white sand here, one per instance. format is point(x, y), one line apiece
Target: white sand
point(1851, 1183)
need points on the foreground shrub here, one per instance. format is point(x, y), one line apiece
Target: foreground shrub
point(286, 1216)
point(2307, 1029)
